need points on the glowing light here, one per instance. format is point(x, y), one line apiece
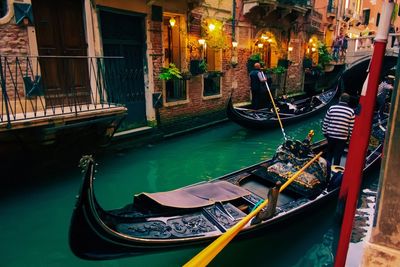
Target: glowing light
point(290, 49)
point(234, 43)
point(260, 45)
point(263, 36)
point(172, 22)
point(211, 27)
point(313, 49)
point(202, 41)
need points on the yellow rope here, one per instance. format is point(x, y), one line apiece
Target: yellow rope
point(205, 256)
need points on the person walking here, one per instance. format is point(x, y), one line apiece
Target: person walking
point(258, 87)
point(337, 44)
point(343, 48)
point(337, 128)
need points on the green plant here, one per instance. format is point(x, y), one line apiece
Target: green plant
point(170, 72)
point(216, 38)
point(203, 66)
point(254, 58)
point(279, 70)
point(324, 57)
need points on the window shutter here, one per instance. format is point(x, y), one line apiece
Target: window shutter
point(156, 13)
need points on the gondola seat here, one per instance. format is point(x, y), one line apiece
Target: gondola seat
point(200, 195)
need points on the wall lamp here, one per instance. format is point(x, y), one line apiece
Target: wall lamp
point(290, 48)
point(202, 41)
point(234, 43)
point(172, 22)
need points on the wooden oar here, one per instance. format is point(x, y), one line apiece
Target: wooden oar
point(275, 108)
point(205, 256)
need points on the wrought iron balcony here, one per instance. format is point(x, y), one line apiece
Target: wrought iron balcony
point(34, 88)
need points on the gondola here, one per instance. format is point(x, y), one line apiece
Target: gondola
point(262, 119)
point(199, 213)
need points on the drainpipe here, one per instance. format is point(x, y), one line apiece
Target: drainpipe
point(233, 19)
point(350, 188)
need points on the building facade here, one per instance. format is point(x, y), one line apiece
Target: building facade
point(172, 64)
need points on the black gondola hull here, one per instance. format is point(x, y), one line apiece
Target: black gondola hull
point(94, 233)
point(262, 120)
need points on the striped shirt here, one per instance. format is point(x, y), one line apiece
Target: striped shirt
point(339, 121)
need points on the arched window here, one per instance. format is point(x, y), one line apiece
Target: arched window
point(3, 8)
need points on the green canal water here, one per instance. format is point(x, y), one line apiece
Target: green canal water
point(35, 214)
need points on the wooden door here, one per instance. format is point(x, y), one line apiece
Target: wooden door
point(123, 35)
point(62, 50)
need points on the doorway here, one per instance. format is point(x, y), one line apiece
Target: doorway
point(123, 35)
point(62, 51)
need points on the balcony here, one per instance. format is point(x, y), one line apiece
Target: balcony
point(31, 90)
point(259, 11)
point(363, 46)
point(39, 104)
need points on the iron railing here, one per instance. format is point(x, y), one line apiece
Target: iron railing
point(44, 86)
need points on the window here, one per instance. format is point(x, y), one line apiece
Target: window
point(366, 14)
point(212, 79)
point(171, 42)
point(3, 8)
point(378, 17)
point(330, 7)
point(175, 89)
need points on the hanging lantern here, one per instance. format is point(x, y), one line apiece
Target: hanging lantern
point(172, 22)
point(234, 44)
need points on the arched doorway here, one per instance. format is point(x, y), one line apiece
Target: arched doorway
point(270, 48)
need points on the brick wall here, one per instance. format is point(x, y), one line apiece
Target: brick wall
point(13, 40)
point(199, 110)
point(13, 43)
point(294, 80)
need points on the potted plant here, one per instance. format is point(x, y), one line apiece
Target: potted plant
point(198, 66)
point(279, 70)
point(254, 58)
point(170, 72)
point(324, 57)
point(203, 66)
point(186, 75)
point(214, 74)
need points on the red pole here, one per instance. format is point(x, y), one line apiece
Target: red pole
point(350, 188)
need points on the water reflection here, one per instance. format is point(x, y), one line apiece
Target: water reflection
point(319, 255)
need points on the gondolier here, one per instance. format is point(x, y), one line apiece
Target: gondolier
point(263, 119)
point(337, 127)
point(258, 89)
